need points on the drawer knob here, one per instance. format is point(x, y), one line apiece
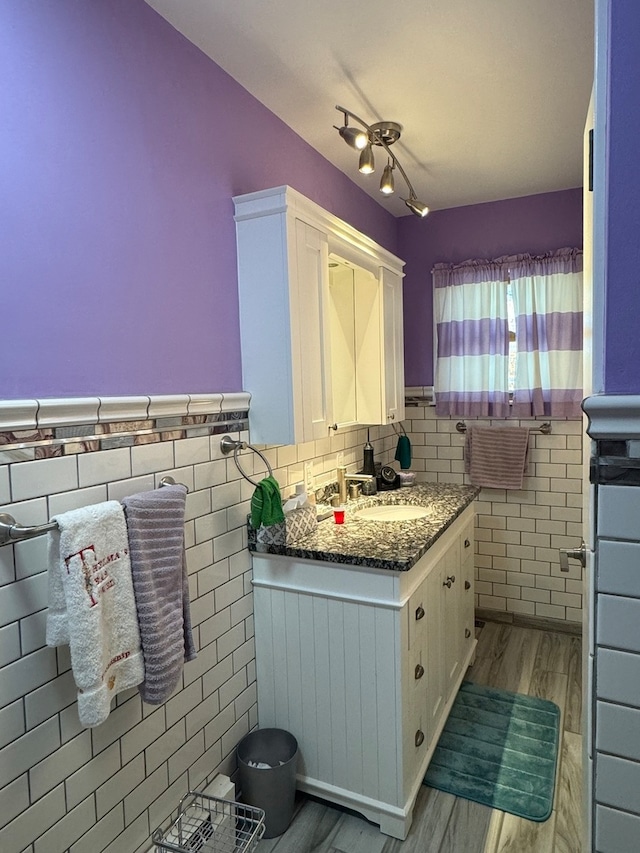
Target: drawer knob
point(419, 612)
point(419, 671)
point(467, 633)
point(467, 584)
point(450, 580)
point(419, 737)
point(467, 543)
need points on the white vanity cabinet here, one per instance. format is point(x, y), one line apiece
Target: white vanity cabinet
point(362, 666)
point(315, 356)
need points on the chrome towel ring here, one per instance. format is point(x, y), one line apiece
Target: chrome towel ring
point(229, 445)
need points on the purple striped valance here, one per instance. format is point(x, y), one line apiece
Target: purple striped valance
point(546, 332)
point(507, 267)
point(469, 272)
point(562, 262)
point(487, 336)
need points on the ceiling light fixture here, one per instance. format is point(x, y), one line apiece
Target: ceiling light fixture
point(387, 183)
point(416, 206)
point(383, 133)
point(353, 136)
point(367, 163)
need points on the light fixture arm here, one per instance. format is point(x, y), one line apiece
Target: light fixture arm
point(380, 141)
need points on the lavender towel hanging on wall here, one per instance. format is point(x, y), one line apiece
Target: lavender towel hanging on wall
point(496, 457)
point(155, 522)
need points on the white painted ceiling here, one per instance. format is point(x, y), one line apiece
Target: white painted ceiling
point(492, 94)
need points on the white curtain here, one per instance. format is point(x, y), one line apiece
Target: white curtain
point(548, 297)
point(472, 328)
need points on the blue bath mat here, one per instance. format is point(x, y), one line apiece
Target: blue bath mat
point(500, 749)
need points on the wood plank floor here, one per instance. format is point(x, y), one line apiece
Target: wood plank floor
point(526, 660)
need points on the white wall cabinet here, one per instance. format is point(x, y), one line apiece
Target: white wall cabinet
point(318, 352)
point(393, 350)
point(362, 666)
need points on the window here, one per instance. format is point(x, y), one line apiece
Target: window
point(509, 336)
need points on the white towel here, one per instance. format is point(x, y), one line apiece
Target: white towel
point(92, 606)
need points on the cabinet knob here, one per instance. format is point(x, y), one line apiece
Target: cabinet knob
point(392, 417)
point(467, 633)
point(467, 584)
point(467, 543)
point(419, 612)
point(333, 426)
point(419, 737)
point(419, 671)
point(450, 580)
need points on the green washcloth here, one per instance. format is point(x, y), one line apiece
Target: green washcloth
point(403, 452)
point(266, 503)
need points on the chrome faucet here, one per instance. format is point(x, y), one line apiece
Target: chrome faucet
point(343, 480)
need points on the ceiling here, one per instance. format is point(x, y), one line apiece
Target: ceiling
point(492, 94)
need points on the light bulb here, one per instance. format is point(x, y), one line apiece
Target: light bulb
point(386, 183)
point(354, 137)
point(367, 163)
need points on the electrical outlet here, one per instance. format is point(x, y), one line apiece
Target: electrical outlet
point(308, 476)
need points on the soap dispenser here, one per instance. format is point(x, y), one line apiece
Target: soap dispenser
point(369, 487)
point(368, 464)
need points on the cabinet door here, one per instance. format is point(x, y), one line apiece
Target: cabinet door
point(343, 346)
point(369, 348)
point(436, 640)
point(467, 603)
point(310, 332)
point(416, 714)
point(393, 345)
point(450, 591)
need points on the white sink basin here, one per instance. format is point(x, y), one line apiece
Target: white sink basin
point(392, 512)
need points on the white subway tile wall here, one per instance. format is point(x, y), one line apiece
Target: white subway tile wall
point(65, 788)
point(518, 533)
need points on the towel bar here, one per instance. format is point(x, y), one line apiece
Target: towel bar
point(11, 531)
point(228, 445)
point(544, 428)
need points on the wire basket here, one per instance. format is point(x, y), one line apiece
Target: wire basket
point(212, 825)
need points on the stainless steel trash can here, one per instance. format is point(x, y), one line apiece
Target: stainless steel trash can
point(271, 788)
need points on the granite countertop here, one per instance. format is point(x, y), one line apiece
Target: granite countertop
point(393, 545)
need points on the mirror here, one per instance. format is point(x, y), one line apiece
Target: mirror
point(354, 318)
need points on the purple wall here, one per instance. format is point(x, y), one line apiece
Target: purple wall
point(622, 258)
point(117, 260)
point(535, 224)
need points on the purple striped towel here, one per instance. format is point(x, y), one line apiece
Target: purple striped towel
point(496, 457)
point(155, 523)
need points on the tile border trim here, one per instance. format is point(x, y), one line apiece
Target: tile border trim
point(57, 412)
point(613, 416)
point(37, 429)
